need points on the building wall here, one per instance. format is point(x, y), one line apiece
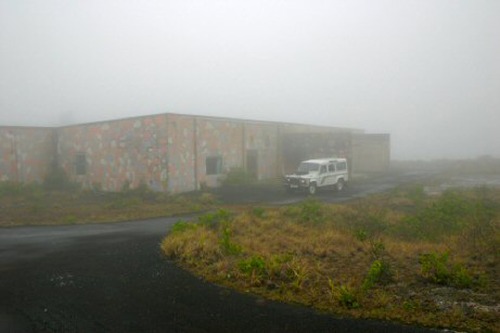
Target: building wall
point(180, 153)
point(263, 140)
point(218, 138)
point(371, 153)
point(26, 153)
point(172, 152)
point(117, 154)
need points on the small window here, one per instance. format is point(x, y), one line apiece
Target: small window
point(214, 165)
point(80, 164)
point(331, 167)
point(342, 166)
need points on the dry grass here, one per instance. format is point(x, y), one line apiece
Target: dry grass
point(361, 259)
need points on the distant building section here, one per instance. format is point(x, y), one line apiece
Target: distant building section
point(179, 153)
point(371, 153)
point(26, 153)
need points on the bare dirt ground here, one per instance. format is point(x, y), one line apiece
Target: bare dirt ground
point(112, 278)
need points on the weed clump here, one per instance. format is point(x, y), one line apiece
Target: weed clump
point(344, 294)
point(436, 268)
point(214, 220)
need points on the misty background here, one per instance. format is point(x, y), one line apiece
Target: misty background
point(427, 72)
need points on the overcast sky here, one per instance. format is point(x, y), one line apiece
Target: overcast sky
point(427, 72)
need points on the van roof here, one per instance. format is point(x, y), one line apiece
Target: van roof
point(325, 160)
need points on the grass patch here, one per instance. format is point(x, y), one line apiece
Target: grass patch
point(48, 204)
point(402, 256)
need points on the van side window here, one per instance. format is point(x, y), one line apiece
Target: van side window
point(342, 166)
point(331, 167)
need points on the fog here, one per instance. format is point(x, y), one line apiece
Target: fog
point(427, 72)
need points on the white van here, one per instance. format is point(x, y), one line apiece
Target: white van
point(318, 173)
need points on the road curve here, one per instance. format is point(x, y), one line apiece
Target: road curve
point(113, 278)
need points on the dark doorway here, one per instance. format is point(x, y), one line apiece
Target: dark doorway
point(252, 163)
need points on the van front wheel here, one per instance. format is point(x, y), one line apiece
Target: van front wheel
point(312, 189)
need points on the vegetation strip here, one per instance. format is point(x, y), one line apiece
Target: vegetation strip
point(34, 204)
point(403, 256)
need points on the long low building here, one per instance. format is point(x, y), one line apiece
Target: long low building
point(179, 153)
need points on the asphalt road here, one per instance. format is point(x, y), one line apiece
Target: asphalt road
point(113, 278)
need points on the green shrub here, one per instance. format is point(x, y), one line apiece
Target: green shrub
point(292, 211)
point(434, 267)
point(481, 232)
point(368, 218)
point(361, 235)
point(410, 305)
point(253, 265)
point(311, 211)
point(9, 188)
point(227, 246)
point(447, 215)
point(181, 226)
point(377, 248)
point(258, 212)
point(379, 272)
point(237, 176)
point(70, 219)
point(279, 268)
point(461, 277)
point(214, 220)
point(32, 191)
point(437, 269)
point(416, 194)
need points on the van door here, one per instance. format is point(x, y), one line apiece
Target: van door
point(341, 168)
point(331, 174)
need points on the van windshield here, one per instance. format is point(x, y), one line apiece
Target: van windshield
point(306, 167)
